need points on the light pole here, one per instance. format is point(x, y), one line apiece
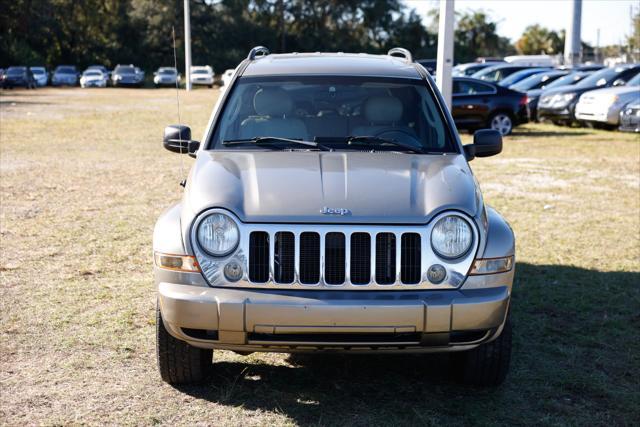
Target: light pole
point(572, 42)
point(445, 50)
point(187, 44)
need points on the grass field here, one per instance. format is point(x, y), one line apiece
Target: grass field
point(83, 178)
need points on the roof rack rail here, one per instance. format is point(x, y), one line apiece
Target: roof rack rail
point(263, 51)
point(402, 51)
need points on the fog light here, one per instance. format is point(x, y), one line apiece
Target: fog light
point(233, 271)
point(436, 274)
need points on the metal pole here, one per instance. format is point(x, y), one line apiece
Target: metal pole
point(445, 49)
point(187, 44)
point(572, 43)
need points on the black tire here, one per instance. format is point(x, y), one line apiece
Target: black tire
point(178, 362)
point(488, 364)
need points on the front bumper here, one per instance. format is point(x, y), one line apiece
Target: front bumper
point(594, 113)
point(312, 320)
point(555, 114)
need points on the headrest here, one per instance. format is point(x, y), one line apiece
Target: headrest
point(272, 102)
point(383, 109)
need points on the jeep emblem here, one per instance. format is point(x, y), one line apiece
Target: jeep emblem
point(335, 211)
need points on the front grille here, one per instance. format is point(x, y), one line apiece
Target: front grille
point(335, 258)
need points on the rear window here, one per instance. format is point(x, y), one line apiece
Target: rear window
point(66, 70)
point(330, 109)
point(125, 70)
point(16, 71)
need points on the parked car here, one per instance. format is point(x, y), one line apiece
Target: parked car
point(533, 95)
point(581, 67)
point(127, 75)
point(518, 76)
point(469, 68)
point(630, 117)
point(166, 76)
point(41, 75)
point(227, 76)
point(202, 75)
point(531, 60)
point(602, 107)
point(2, 74)
point(19, 77)
point(65, 75)
point(558, 105)
point(94, 78)
point(101, 68)
point(495, 73)
point(303, 232)
point(478, 104)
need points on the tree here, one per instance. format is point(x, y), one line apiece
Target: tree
point(536, 40)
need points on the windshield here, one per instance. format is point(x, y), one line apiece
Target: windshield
point(15, 71)
point(37, 70)
point(166, 71)
point(125, 70)
point(600, 78)
point(65, 70)
point(634, 81)
point(519, 75)
point(94, 73)
point(199, 72)
point(536, 81)
point(569, 79)
point(329, 110)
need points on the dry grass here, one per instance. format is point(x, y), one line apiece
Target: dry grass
point(83, 178)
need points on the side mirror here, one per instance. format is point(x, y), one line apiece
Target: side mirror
point(177, 139)
point(486, 143)
point(619, 82)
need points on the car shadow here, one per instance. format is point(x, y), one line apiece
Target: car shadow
point(553, 306)
point(530, 133)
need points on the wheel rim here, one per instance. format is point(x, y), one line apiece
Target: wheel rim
point(501, 123)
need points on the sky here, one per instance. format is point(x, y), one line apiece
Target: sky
point(612, 17)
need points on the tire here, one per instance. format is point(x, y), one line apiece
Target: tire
point(488, 364)
point(210, 86)
point(178, 362)
point(502, 122)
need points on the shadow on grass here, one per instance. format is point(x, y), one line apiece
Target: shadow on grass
point(547, 134)
point(13, 102)
point(576, 335)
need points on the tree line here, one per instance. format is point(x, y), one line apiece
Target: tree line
point(84, 32)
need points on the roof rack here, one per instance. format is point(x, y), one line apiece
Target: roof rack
point(258, 50)
point(401, 51)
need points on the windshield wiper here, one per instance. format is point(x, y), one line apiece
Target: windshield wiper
point(269, 140)
point(368, 140)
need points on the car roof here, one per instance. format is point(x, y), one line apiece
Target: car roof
point(343, 64)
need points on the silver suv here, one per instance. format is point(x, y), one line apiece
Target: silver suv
point(331, 207)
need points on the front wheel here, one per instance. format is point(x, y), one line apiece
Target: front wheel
point(488, 364)
point(178, 362)
point(501, 122)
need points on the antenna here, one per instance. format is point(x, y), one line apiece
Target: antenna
point(175, 65)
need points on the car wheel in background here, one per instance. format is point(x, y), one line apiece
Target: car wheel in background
point(488, 364)
point(501, 122)
point(178, 362)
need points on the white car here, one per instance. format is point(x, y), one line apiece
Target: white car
point(603, 106)
point(227, 76)
point(93, 78)
point(41, 75)
point(202, 75)
point(166, 76)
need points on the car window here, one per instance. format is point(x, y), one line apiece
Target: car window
point(600, 78)
point(167, 71)
point(466, 87)
point(66, 70)
point(125, 70)
point(93, 73)
point(329, 109)
point(200, 72)
point(569, 79)
point(634, 81)
point(15, 71)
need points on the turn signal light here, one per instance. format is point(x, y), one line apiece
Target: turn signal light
point(186, 263)
point(491, 266)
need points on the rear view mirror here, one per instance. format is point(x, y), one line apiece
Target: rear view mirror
point(177, 139)
point(486, 143)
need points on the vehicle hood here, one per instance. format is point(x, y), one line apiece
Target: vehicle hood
point(611, 91)
point(290, 187)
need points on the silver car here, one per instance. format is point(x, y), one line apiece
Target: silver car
point(603, 106)
point(331, 207)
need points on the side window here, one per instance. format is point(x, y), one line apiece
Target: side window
point(480, 88)
point(471, 88)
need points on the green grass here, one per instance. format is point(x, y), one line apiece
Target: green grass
point(83, 178)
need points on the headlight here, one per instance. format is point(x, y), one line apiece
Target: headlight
point(560, 100)
point(451, 237)
point(218, 234)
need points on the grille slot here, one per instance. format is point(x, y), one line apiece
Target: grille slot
point(259, 257)
point(385, 258)
point(410, 259)
point(309, 258)
point(284, 257)
point(360, 258)
point(334, 258)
